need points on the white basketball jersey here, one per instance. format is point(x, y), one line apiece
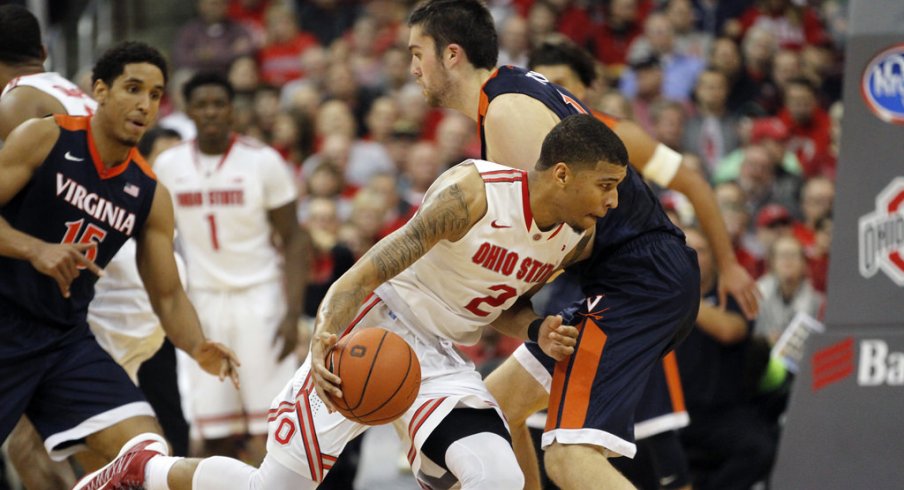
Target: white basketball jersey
point(459, 287)
point(221, 211)
point(76, 102)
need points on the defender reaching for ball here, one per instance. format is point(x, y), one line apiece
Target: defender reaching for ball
point(485, 235)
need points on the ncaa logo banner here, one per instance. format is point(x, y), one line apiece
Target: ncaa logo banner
point(882, 235)
point(882, 85)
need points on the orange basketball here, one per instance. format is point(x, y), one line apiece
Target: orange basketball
point(380, 375)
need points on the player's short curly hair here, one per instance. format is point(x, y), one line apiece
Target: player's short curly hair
point(20, 35)
point(581, 140)
point(113, 62)
point(207, 78)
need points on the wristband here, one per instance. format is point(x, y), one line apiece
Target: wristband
point(533, 331)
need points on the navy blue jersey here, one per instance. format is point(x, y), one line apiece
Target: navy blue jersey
point(638, 212)
point(73, 198)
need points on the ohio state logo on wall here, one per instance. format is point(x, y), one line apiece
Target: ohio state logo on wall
point(882, 235)
point(882, 85)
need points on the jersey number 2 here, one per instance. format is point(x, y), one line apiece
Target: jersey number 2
point(505, 292)
point(92, 233)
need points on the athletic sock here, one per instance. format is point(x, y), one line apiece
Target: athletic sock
point(157, 471)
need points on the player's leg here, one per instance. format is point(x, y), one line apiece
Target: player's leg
point(520, 394)
point(473, 445)
point(258, 313)
point(651, 294)
point(35, 468)
point(216, 407)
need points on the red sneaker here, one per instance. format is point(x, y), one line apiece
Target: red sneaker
point(127, 470)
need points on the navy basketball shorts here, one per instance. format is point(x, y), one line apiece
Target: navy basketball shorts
point(66, 384)
point(639, 302)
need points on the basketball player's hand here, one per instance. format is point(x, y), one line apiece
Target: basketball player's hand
point(218, 360)
point(324, 381)
point(736, 281)
point(288, 334)
point(61, 261)
point(555, 339)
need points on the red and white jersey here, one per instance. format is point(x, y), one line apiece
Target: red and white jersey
point(221, 204)
point(76, 102)
point(459, 287)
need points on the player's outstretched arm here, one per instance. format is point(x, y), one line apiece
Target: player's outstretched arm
point(664, 167)
point(297, 256)
point(453, 204)
point(157, 267)
point(24, 151)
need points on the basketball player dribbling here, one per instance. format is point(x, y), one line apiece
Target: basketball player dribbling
point(485, 235)
point(641, 283)
point(72, 191)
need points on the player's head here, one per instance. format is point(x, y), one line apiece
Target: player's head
point(208, 102)
point(156, 140)
point(129, 81)
point(20, 36)
point(564, 63)
point(586, 161)
point(446, 34)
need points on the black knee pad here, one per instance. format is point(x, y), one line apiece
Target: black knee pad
point(461, 423)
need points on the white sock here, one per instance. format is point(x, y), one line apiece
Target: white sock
point(156, 472)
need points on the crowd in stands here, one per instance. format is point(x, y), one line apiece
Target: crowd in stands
point(748, 90)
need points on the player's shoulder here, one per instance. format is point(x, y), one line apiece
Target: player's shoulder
point(261, 150)
point(175, 155)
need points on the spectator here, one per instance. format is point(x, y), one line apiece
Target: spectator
point(244, 75)
point(514, 42)
point(742, 91)
point(733, 206)
point(773, 221)
point(211, 41)
point(711, 132)
point(669, 118)
point(786, 289)
point(728, 444)
point(764, 181)
point(809, 125)
point(327, 20)
point(331, 258)
point(710, 16)
point(647, 79)
point(816, 197)
point(772, 135)
point(611, 41)
point(382, 117)
point(688, 40)
point(679, 70)
point(793, 24)
point(280, 56)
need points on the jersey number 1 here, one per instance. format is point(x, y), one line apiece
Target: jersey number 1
point(92, 233)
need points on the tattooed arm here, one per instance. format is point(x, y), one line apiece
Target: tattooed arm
point(453, 204)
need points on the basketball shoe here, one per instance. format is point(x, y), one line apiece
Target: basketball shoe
point(126, 472)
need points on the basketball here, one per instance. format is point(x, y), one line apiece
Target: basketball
point(380, 375)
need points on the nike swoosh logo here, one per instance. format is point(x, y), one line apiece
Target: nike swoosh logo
point(71, 158)
point(668, 479)
point(494, 224)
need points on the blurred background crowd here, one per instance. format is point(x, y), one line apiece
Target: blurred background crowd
point(748, 90)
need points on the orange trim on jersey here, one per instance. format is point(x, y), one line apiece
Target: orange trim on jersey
point(608, 120)
point(72, 123)
point(575, 385)
point(482, 106)
point(144, 165)
point(83, 123)
point(673, 381)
